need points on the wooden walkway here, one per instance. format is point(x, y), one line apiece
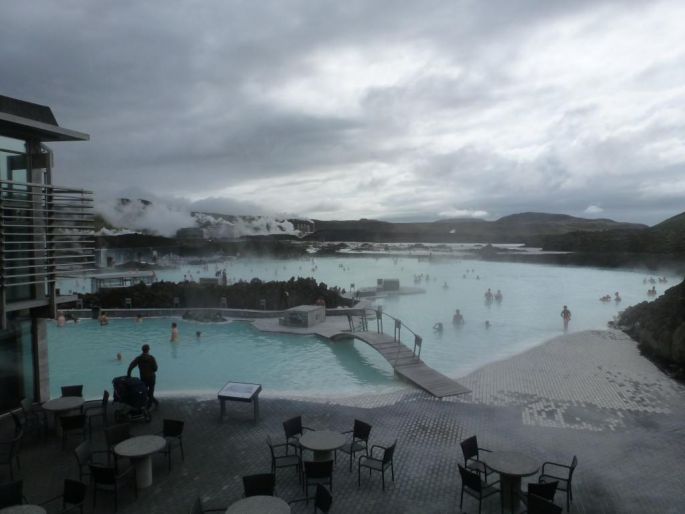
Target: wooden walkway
point(407, 365)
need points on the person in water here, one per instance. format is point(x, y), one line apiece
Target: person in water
point(457, 319)
point(498, 296)
point(104, 320)
point(139, 318)
point(488, 295)
point(566, 316)
point(487, 324)
point(438, 327)
point(147, 367)
point(617, 297)
point(61, 320)
point(174, 333)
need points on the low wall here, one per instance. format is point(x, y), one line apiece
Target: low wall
point(179, 312)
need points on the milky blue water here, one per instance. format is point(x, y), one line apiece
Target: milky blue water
point(528, 315)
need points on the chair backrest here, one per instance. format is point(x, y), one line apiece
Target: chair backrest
point(117, 433)
point(574, 463)
point(82, 453)
point(172, 427)
point(469, 447)
point(318, 469)
point(361, 430)
point(74, 492)
point(11, 493)
point(539, 505)
point(74, 422)
point(323, 499)
point(545, 490)
point(26, 405)
point(469, 479)
point(271, 446)
point(73, 390)
point(292, 426)
point(103, 474)
point(18, 427)
point(389, 453)
point(262, 484)
point(105, 399)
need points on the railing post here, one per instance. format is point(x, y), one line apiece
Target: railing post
point(398, 327)
point(418, 341)
point(379, 319)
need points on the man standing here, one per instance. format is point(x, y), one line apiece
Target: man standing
point(147, 367)
point(566, 316)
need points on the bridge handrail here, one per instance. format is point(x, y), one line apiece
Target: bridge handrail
point(398, 324)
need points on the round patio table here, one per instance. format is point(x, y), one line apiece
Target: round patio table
point(259, 505)
point(23, 509)
point(511, 466)
point(59, 406)
point(322, 443)
point(140, 449)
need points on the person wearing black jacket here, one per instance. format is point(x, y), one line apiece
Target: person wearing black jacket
point(147, 367)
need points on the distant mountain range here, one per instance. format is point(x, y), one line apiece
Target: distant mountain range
point(515, 228)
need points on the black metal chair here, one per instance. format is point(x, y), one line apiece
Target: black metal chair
point(286, 460)
point(293, 429)
point(472, 485)
point(85, 456)
point(9, 452)
point(539, 505)
point(472, 462)
point(545, 490)
point(110, 478)
point(322, 500)
point(564, 477)
point(360, 440)
point(35, 418)
point(96, 409)
point(262, 484)
point(71, 425)
point(317, 473)
point(378, 464)
point(172, 432)
point(72, 390)
point(12, 493)
point(198, 508)
point(73, 496)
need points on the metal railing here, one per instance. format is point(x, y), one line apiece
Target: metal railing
point(45, 231)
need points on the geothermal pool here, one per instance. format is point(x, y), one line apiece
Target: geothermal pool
point(528, 315)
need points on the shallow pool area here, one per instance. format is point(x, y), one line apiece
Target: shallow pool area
point(528, 315)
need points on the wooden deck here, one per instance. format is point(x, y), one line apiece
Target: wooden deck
point(407, 365)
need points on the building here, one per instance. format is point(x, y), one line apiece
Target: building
point(305, 226)
point(45, 230)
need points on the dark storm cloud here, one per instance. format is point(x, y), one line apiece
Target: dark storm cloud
point(344, 109)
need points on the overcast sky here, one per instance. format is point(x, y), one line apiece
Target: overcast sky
point(412, 110)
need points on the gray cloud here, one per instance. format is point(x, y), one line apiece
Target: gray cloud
point(349, 109)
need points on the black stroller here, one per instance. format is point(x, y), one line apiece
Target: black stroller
point(131, 395)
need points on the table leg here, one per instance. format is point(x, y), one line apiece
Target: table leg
point(223, 409)
point(256, 408)
point(143, 471)
point(321, 456)
point(510, 488)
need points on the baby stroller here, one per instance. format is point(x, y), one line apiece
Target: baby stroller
point(131, 395)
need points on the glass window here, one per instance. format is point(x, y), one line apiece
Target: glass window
point(12, 145)
point(16, 364)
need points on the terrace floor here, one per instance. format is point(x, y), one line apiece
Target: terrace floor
point(588, 394)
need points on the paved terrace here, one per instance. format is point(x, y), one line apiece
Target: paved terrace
point(588, 394)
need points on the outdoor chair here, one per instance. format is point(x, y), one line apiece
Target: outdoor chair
point(539, 505)
point(360, 440)
point(110, 478)
point(380, 464)
point(198, 508)
point(172, 432)
point(259, 485)
point(114, 434)
point(9, 452)
point(472, 462)
point(323, 499)
point(72, 424)
point(73, 496)
point(286, 460)
point(546, 490)
point(73, 390)
point(18, 425)
point(293, 429)
point(85, 456)
point(96, 409)
point(12, 493)
point(561, 473)
point(317, 473)
point(35, 418)
point(472, 485)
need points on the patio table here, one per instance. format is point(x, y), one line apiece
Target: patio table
point(140, 449)
point(511, 466)
point(239, 392)
point(322, 443)
point(23, 509)
point(259, 505)
point(58, 406)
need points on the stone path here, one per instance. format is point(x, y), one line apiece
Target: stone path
point(588, 394)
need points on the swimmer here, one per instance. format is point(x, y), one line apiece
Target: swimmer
point(498, 296)
point(61, 320)
point(488, 295)
point(198, 334)
point(566, 316)
point(139, 318)
point(104, 320)
point(457, 319)
point(487, 324)
point(445, 286)
point(119, 357)
point(617, 297)
point(438, 327)
point(174, 333)
point(605, 298)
